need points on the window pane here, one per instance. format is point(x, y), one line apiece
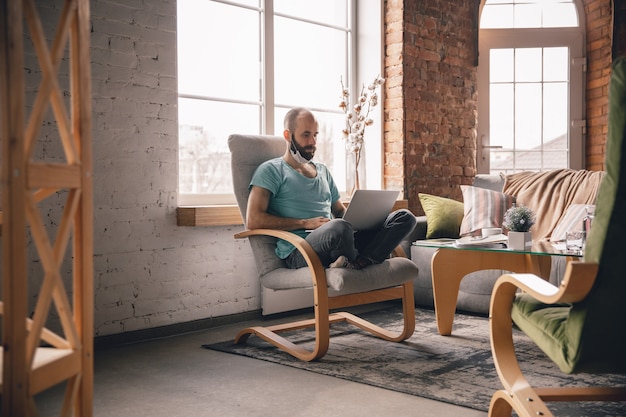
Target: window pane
point(501, 115)
point(555, 160)
point(204, 127)
point(210, 68)
point(501, 65)
point(494, 17)
point(555, 64)
point(332, 12)
point(501, 161)
point(528, 64)
point(528, 112)
point(528, 161)
point(497, 14)
point(555, 111)
point(559, 15)
point(527, 16)
point(309, 62)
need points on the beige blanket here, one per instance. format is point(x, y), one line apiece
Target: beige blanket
point(550, 193)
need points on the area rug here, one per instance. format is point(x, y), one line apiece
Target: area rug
point(456, 369)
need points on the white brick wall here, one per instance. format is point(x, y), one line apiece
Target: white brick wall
point(148, 272)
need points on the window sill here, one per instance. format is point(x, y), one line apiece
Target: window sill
point(219, 215)
point(226, 215)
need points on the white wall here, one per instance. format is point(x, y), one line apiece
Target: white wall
point(148, 272)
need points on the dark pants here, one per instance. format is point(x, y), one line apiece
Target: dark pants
point(337, 238)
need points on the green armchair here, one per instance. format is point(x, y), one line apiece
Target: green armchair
point(580, 325)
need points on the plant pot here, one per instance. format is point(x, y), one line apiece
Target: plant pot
point(520, 240)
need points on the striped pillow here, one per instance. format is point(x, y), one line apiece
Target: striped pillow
point(483, 208)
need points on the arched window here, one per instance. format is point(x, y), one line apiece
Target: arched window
point(530, 86)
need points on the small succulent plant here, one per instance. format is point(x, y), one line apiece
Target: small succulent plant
point(519, 219)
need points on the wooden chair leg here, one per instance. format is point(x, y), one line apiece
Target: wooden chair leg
point(500, 406)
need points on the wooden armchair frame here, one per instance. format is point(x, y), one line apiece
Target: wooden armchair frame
point(323, 304)
point(518, 394)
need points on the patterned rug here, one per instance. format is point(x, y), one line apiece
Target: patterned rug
point(456, 369)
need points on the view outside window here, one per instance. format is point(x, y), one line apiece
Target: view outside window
point(239, 73)
point(529, 85)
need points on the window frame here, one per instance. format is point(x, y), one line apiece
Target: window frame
point(365, 55)
point(574, 39)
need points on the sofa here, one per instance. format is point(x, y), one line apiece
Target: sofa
point(560, 199)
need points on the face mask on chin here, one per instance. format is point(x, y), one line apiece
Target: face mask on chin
point(297, 152)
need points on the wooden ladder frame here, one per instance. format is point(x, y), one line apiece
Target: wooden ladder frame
point(33, 357)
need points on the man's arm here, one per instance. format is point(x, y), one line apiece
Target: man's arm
point(258, 217)
point(338, 209)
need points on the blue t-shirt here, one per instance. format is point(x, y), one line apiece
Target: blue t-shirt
point(294, 195)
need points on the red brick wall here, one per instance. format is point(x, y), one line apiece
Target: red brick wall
point(430, 97)
point(430, 94)
point(598, 16)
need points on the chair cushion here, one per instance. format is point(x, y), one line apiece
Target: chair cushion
point(390, 273)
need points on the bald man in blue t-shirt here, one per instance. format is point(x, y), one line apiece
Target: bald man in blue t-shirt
point(296, 194)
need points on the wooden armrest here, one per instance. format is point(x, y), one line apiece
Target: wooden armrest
point(577, 282)
point(315, 265)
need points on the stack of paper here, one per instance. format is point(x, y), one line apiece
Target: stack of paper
point(488, 241)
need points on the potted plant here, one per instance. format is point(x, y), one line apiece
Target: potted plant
point(519, 220)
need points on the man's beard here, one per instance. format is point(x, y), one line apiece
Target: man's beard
point(299, 153)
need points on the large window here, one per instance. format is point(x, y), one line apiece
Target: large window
point(530, 86)
point(243, 63)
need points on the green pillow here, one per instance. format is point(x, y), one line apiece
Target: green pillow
point(443, 216)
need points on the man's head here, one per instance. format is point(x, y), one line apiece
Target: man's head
point(301, 129)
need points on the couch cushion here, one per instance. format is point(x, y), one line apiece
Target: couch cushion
point(443, 216)
point(483, 208)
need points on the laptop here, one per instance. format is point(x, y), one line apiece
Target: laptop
point(368, 209)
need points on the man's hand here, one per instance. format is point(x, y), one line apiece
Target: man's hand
point(315, 222)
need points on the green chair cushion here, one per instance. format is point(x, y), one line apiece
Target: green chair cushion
point(590, 335)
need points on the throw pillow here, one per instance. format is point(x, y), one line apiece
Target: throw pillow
point(483, 208)
point(443, 216)
point(572, 220)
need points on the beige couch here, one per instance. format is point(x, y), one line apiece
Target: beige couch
point(549, 194)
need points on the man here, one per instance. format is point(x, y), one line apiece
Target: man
point(295, 194)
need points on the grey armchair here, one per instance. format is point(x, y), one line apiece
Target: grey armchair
point(333, 288)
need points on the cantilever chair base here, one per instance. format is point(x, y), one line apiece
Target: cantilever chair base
point(271, 333)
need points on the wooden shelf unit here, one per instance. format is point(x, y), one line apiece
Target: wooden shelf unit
point(33, 357)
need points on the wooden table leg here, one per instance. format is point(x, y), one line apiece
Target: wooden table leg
point(450, 266)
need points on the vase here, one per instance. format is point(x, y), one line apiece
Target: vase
point(355, 172)
point(520, 240)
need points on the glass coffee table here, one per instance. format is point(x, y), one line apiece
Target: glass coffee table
point(450, 264)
